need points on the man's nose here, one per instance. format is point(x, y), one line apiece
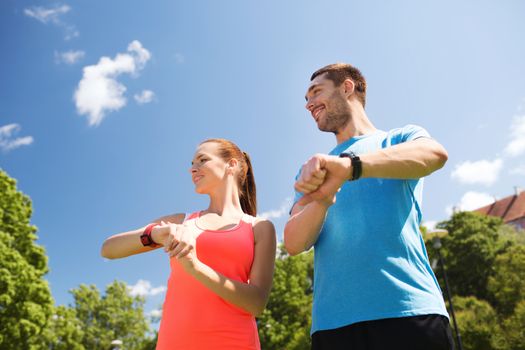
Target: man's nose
point(309, 105)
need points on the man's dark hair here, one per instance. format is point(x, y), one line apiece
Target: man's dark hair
point(339, 72)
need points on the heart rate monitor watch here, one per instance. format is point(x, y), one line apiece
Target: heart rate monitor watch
point(145, 237)
point(357, 168)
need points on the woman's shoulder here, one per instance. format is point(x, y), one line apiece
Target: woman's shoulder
point(257, 220)
point(262, 226)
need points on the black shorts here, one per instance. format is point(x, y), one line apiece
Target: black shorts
point(427, 332)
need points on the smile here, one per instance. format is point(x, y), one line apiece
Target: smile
point(316, 111)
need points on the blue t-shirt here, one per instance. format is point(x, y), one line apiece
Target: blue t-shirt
point(370, 258)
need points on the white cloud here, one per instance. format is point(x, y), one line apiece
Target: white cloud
point(470, 201)
point(430, 225)
point(157, 313)
point(46, 15)
point(480, 172)
point(7, 142)
point(53, 15)
point(516, 145)
point(141, 54)
point(99, 92)
point(69, 57)
point(146, 96)
point(284, 209)
point(143, 288)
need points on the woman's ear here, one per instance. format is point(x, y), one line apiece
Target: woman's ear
point(232, 165)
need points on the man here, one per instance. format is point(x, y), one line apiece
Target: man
point(360, 208)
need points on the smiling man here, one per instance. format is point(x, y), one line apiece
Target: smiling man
point(373, 284)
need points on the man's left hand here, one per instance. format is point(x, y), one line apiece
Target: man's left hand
point(321, 178)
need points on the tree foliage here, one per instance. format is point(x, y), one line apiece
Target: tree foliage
point(95, 320)
point(507, 283)
point(485, 264)
point(25, 298)
point(477, 322)
point(64, 331)
point(469, 250)
point(285, 323)
point(116, 315)
point(514, 328)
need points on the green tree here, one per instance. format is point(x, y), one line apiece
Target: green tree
point(25, 299)
point(507, 284)
point(64, 331)
point(117, 315)
point(285, 323)
point(485, 263)
point(515, 328)
point(469, 251)
point(477, 323)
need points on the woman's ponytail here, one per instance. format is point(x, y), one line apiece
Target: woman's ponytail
point(248, 196)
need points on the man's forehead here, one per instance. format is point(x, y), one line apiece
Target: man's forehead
point(319, 80)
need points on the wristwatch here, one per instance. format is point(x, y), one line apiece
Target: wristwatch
point(145, 237)
point(357, 168)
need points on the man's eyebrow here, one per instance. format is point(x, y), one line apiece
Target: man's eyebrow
point(313, 86)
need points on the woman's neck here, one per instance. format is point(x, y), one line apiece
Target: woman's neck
point(226, 202)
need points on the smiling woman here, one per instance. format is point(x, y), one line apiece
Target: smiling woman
point(221, 258)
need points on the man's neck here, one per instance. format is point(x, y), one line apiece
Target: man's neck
point(358, 125)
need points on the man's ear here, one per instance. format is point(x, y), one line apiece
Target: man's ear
point(349, 87)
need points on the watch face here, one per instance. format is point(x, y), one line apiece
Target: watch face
point(146, 240)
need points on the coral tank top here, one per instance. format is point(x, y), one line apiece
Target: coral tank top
point(194, 317)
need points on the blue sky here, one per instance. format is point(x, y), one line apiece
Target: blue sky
point(103, 103)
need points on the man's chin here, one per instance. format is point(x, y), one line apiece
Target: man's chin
point(325, 129)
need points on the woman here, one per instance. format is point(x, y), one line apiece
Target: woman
point(221, 258)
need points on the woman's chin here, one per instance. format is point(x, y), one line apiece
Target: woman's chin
point(199, 190)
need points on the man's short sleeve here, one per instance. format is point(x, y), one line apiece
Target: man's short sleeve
point(297, 195)
point(411, 132)
point(406, 133)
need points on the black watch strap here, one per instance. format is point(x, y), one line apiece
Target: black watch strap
point(357, 168)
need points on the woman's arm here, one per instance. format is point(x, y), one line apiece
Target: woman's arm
point(251, 296)
point(128, 243)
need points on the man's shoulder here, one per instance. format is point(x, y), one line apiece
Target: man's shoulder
point(406, 128)
point(406, 133)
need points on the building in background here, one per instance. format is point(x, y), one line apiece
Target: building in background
point(511, 209)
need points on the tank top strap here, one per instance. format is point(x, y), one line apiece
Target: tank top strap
point(249, 219)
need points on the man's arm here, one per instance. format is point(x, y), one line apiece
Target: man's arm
point(409, 160)
point(303, 226)
point(322, 176)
